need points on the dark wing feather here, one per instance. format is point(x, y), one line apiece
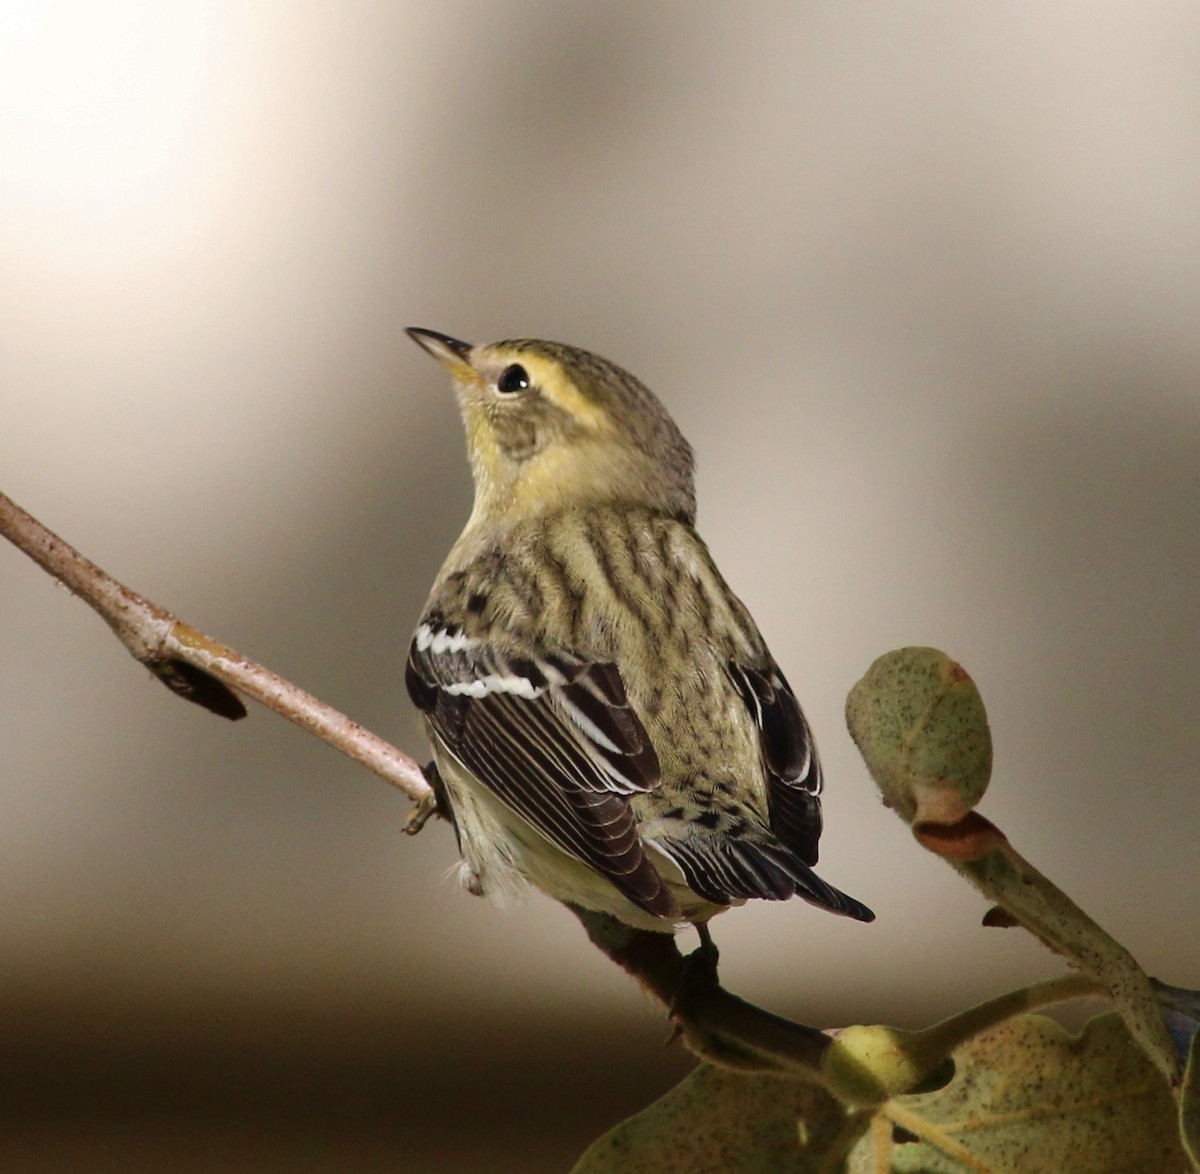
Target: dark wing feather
point(789, 757)
point(723, 869)
point(553, 737)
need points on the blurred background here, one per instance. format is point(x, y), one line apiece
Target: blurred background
point(919, 282)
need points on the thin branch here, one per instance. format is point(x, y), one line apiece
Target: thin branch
point(194, 665)
point(715, 1024)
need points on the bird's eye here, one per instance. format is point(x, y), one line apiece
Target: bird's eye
point(512, 380)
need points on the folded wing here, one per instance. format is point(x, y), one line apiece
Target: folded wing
point(553, 736)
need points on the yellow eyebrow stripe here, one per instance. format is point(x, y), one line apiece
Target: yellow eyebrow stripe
point(548, 377)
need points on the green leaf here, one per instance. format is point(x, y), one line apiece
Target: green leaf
point(717, 1120)
point(1189, 1103)
point(921, 726)
point(1029, 1096)
point(1025, 1097)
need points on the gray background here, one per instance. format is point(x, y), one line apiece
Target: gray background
point(919, 281)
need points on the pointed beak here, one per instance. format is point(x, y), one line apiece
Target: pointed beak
point(452, 353)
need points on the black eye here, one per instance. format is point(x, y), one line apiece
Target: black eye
point(512, 380)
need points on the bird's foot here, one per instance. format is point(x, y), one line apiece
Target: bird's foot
point(429, 805)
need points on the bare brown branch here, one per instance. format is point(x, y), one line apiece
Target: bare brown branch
point(715, 1024)
point(194, 665)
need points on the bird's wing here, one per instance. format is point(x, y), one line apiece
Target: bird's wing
point(554, 737)
point(789, 757)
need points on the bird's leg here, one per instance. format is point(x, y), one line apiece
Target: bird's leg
point(429, 805)
point(699, 972)
point(708, 948)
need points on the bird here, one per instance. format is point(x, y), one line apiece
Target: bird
point(607, 723)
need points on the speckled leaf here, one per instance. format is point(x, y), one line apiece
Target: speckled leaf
point(717, 1121)
point(1029, 1096)
point(921, 726)
point(1189, 1103)
point(1026, 1097)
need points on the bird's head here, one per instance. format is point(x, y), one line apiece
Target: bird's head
point(550, 425)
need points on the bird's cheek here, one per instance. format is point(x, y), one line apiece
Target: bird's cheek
point(518, 437)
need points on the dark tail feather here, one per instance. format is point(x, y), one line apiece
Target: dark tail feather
point(722, 870)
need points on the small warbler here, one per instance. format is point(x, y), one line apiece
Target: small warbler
point(606, 720)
